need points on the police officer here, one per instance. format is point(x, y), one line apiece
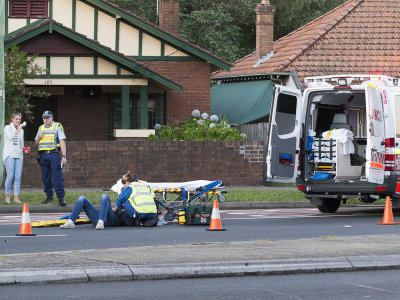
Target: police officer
point(50, 139)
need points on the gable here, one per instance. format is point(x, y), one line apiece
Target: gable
point(53, 43)
point(121, 31)
point(84, 58)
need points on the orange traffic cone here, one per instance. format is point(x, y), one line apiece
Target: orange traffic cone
point(25, 228)
point(215, 224)
point(388, 214)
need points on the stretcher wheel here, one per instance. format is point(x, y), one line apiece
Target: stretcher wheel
point(221, 198)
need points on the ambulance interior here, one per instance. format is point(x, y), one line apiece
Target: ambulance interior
point(336, 135)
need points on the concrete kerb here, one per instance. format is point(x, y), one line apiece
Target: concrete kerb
point(199, 270)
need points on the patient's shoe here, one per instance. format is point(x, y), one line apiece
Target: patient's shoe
point(68, 225)
point(100, 225)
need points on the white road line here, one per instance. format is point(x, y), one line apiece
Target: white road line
point(45, 235)
point(373, 288)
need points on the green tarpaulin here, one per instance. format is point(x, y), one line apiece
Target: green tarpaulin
point(242, 102)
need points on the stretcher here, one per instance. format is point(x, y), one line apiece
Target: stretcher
point(170, 197)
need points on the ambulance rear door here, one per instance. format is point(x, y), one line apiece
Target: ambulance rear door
point(284, 135)
point(375, 151)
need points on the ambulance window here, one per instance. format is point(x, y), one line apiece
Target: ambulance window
point(376, 126)
point(286, 113)
point(397, 113)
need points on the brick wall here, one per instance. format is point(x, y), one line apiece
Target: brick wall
point(169, 16)
point(101, 163)
point(84, 119)
point(195, 77)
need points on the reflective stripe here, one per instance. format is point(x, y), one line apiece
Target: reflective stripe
point(215, 213)
point(25, 218)
point(140, 194)
point(49, 140)
point(145, 203)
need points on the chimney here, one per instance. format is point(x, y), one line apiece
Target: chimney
point(264, 28)
point(169, 15)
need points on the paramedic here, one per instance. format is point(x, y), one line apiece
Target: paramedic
point(50, 139)
point(138, 200)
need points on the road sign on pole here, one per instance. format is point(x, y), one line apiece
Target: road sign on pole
point(2, 85)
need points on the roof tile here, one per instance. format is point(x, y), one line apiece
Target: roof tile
point(358, 36)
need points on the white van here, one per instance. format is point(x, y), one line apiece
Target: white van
point(339, 140)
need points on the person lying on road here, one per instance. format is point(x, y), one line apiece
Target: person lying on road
point(106, 217)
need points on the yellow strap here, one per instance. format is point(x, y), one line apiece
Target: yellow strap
point(329, 133)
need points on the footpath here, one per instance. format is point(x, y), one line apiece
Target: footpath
point(261, 257)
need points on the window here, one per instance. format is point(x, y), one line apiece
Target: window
point(154, 111)
point(286, 113)
point(377, 125)
point(397, 114)
point(28, 9)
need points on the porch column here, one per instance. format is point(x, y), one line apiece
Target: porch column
point(143, 107)
point(125, 106)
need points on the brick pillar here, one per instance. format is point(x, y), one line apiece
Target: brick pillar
point(264, 28)
point(169, 16)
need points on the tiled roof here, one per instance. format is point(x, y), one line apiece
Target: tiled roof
point(360, 36)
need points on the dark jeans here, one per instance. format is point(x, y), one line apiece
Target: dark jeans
point(142, 216)
point(106, 213)
point(52, 176)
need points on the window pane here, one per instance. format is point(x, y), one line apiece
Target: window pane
point(154, 111)
point(377, 125)
point(286, 113)
point(397, 113)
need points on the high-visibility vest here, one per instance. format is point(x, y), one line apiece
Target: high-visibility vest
point(142, 198)
point(49, 140)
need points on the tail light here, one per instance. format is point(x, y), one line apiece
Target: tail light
point(390, 155)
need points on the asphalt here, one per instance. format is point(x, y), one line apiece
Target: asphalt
point(261, 257)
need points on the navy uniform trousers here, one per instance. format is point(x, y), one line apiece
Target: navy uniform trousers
point(52, 176)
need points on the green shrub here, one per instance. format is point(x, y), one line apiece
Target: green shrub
point(198, 128)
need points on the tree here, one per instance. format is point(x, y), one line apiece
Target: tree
point(224, 29)
point(227, 28)
point(292, 14)
point(19, 67)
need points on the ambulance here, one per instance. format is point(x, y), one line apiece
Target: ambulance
point(339, 139)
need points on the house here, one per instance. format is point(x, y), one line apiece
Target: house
point(360, 36)
point(107, 68)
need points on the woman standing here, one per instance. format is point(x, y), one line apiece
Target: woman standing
point(13, 155)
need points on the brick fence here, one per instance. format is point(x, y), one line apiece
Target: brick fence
point(101, 163)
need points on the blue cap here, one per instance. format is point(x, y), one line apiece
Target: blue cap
point(47, 114)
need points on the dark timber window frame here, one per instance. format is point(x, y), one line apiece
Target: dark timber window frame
point(34, 9)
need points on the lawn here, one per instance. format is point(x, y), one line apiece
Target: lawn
point(231, 196)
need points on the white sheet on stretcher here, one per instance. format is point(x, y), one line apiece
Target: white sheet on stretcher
point(187, 185)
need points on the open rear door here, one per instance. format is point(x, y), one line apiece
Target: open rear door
point(284, 135)
point(375, 151)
